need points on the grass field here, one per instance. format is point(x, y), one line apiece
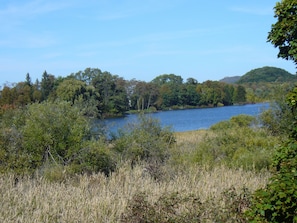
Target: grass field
point(97, 198)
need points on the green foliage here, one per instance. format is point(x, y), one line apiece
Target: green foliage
point(144, 140)
point(80, 95)
point(213, 93)
point(239, 95)
point(277, 202)
point(47, 85)
point(112, 93)
point(276, 120)
point(267, 74)
point(236, 143)
point(12, 156)
point(70, 90)
point(93, 158)
point(283, 33)
point(53, 131)
point(54, 138)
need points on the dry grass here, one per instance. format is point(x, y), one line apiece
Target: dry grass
point(99, 199)
point(191, 136)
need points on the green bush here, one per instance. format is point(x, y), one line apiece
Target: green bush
point(51, 138)
point(54, 132)
point(236, 143)
point(277, 202)
point(13, 158)
point(145, 140)
point(95, 157)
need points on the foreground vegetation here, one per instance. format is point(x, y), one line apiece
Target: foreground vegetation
point(129, 195)
point(145, 174)
point(56, 168)
point(134, 194)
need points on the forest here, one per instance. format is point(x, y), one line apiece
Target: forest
point(102, 94)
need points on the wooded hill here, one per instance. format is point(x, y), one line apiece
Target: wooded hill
point(264, 74)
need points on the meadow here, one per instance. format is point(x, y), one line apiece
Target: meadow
point(179, 191)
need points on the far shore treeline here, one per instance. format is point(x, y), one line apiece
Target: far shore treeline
point(102, 94)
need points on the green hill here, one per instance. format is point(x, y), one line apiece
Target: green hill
point(267, 74)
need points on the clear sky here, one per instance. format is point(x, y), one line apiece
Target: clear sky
point(140, 39)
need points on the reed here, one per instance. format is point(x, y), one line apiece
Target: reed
point(98, 198)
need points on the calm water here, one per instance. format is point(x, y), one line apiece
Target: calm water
point(192, 119)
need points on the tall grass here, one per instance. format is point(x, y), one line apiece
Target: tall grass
point(186, 187)
point(98, 198)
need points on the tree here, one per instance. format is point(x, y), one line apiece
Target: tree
point(70, 90)
point(113, 94)
point(28, 79)
point(8, 96)
point(169, 86)
point(47, 85)
point(284, 32)
point(240, 94)
point(277, 202)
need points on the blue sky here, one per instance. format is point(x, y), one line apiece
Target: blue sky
point(140, 39)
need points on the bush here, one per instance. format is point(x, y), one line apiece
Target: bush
point(95, 157)
point(236, 143)
point(51, 137)
point(13, 158)
point(53, 132)
point(277, 202)
point(145, 140)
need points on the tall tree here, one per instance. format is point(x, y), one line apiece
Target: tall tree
point(283, 34)
point(240, 94)
point(169, 86)
point(113, 94)
point(28, 79)
point(47, 85)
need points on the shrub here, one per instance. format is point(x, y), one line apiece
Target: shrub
point(277, 202)
point(236, 143)
point(53, 131)
point(52, 137)
point(145, 140)
point(12, 155)
point(93, 158)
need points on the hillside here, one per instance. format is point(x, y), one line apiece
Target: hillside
point(267, 74)
point(230, 80)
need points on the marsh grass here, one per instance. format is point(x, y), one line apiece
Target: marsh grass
point(98, 198)
point(176, 191)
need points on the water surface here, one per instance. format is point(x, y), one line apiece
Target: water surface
point(191, 119)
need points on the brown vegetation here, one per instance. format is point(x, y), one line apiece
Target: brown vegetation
point(97, 198)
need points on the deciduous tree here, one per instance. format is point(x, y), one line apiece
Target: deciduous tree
point(283, 34)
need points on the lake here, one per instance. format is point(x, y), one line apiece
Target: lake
point(191, 119)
